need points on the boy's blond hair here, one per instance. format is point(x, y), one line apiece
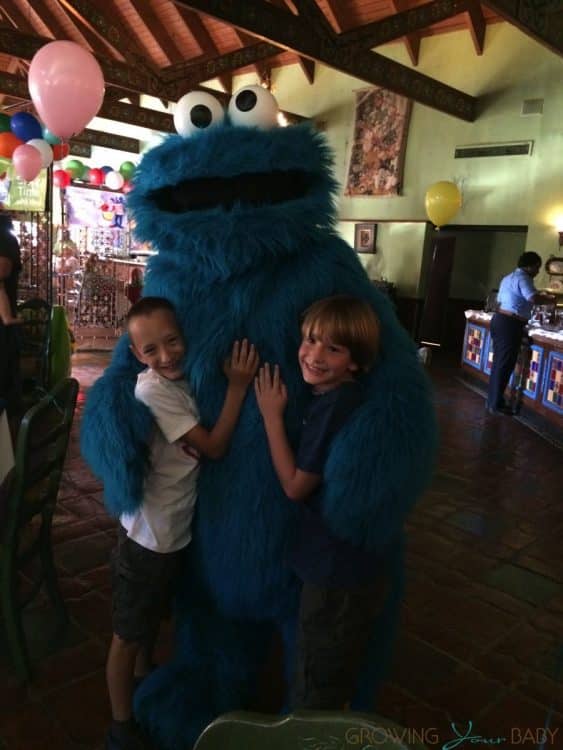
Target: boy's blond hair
point(347, 321)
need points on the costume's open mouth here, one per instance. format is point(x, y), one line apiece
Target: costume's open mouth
point(257, 189)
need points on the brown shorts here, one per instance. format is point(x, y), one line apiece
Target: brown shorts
point(144, 583)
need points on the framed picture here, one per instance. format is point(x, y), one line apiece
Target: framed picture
point(364, 237)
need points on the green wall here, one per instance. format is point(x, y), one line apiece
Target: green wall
point(518, 190)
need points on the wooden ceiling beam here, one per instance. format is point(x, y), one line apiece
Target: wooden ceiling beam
point(477, 25)
point(52, 23)
point(313, 16)
point(401, 24)
point(191, 74)
point(263, 70)
point(338, 13)
point(282, 28)
point(206, 44)
point(115, 94)
point(306, 65)
point(109, 140)
point(16, 87)
point(542, 21)
point(412, 40)
point(97, 43)
point(18, 19)
point(308, 68)
point(102, 25)
point(157, 30)
point(24, 46)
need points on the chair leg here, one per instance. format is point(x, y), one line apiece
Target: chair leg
point(12, 620)
point(50, 572)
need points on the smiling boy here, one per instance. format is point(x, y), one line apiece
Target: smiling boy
point(151, 541)
point(341, 592)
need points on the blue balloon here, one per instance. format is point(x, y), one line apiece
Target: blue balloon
point(51, 138)
point(25, 126)
point(107, 169)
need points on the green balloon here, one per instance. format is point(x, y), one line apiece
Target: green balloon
point(75, 168)
point(127, 170)
point(4, 123)
point(51, 138)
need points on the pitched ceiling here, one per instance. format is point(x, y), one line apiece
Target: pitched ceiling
point(167, 47)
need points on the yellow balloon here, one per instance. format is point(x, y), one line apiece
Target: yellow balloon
point(443, 201)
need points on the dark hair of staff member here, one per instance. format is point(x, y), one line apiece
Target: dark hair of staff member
point(10, 266)
point(516, 297)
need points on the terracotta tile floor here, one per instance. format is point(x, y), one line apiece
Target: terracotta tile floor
point(482, 631)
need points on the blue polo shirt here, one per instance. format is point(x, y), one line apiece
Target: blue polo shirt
point(516, 292)
point(319, 557)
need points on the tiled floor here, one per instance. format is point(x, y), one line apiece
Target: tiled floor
point(482, 632)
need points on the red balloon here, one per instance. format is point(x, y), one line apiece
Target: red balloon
point(61, 179)
point(95, 176)
point(60, 151)
point(8, 144)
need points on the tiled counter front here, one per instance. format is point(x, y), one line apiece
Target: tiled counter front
point(537, 382)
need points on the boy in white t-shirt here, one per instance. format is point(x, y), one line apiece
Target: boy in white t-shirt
point(151, 541)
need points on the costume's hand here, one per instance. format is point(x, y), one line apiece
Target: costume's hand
point(271, 393)
point(242, 366)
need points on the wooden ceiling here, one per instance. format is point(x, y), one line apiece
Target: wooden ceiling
point(167, 47)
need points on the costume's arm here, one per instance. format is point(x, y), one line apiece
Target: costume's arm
point(115, 432)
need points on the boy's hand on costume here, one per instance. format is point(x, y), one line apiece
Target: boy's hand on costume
point(13, 321)
point(242, 365)
point(271, 393)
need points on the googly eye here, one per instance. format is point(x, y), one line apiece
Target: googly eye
point(253, 106)
point(197, 111)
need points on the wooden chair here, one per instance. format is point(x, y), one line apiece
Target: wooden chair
point(35, 346)
point(28, 502)
point(306, 730)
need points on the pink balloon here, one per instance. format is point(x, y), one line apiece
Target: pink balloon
point(67, 87)
point(27, 162)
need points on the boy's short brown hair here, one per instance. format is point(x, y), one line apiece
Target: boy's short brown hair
point(146, 306)
point(347, 321)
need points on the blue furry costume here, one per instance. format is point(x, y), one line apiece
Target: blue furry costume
point(243, 220)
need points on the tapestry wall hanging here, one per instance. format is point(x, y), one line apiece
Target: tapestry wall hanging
point(378, 144)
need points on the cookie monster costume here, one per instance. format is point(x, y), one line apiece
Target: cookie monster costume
point(242, 214)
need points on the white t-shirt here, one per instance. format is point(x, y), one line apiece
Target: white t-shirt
point(162, 522)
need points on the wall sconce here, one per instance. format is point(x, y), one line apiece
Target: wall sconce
point(559, 228)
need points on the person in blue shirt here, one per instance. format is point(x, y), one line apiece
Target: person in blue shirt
point(343, 584)
point(516, 297)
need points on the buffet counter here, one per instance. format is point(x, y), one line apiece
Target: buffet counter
point(536, 386)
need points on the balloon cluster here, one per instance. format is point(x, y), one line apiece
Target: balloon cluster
point(67, 88)
point(30, 146)
point(103, 176)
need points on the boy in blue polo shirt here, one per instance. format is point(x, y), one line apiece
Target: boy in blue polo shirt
point(341, 593)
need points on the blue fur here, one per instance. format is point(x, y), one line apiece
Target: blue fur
point(252, 272)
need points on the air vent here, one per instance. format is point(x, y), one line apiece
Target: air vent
point(483, 150)
point(532, 107)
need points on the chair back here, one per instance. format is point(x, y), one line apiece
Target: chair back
point(306, 730)
point(35, 345)
point(39, 457)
